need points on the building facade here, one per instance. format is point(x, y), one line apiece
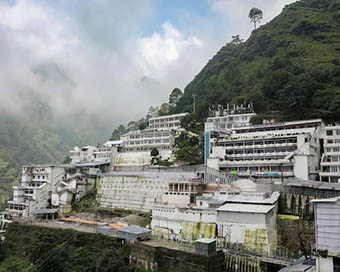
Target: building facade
point(327, 234)
point(168, 122)
point(275, 150)
point(330, 162)
point(34, 192)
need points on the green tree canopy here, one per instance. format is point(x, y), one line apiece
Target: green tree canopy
point(255, 16)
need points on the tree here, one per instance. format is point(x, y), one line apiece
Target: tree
point(154, 154)
point(142, 126)
point(163, 110)
point(174, 97)
point(190, 154)
point(255, 16)
point(236, 39)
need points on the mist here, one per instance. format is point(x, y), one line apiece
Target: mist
point(108, 59)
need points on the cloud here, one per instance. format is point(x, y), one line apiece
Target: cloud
point(165, 52)
point(105, 57)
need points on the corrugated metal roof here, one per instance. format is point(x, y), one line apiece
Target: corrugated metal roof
point(91, 164)
point(299, 268)
point(312, 184)
point(44, 211)
point(245, 208)
point(135, 229)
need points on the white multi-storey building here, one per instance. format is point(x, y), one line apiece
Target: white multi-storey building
point(35, 189)
point(50, 186)
point(168, 122)
point(225, 120)
point(273, 150)
point(330, 162)
point(81, 154)
point(146, 140)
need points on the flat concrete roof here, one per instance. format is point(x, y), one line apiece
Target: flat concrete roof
point(245, 208)
point(205, 240)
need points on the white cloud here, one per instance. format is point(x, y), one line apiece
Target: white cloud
point(163, 51)
point(91, 55)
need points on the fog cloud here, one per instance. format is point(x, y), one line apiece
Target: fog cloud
point(101, 56)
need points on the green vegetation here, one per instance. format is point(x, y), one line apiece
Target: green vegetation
point(190, 149)
point(290, 65)
point(37, 136)
point(32, 248)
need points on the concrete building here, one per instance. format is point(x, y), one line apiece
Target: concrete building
point(82, 154)
point(46, 186)
point(327, 232)
point(104, 153)
point(175, 223)
point(274, 150)
point(35, 189)
point(146, 140)
point(168, 122)
point(225, 120)
point(330, 162)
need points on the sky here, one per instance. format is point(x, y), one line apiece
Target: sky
point(111, 57)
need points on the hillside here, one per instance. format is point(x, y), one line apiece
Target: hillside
point(291, 65)
point(32, 248)
point(39, 137)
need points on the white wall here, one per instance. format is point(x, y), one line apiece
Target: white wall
point(324, 264)
point(301, 166)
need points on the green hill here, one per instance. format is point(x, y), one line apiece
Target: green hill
point(39, 137)
point(291, 65)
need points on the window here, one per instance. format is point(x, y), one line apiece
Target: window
point(334, 169)
point(329, 132)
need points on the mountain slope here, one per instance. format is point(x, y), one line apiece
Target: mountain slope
point(40, 137)
point(291, 64)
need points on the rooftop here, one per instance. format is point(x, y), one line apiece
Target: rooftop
point(167, 116)
point(312, 184)
point(261, 198)
point(205, 240)
point(91, 164)
point(45, 211)
point(245, 208)
point(281, 124)
point(135, 230)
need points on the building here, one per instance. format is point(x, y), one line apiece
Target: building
point(146, 140)
point(272, 150)
point(205, 246)
point(167, 122)
point(49, 186)
point(134, 233)
point(330, 162)
point(34, 192)
point(327, 234)
point(81, 154)
point(176, 223)
point(104, 153)
point(223, 121)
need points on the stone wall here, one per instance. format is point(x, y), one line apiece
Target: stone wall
point(154, 258)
